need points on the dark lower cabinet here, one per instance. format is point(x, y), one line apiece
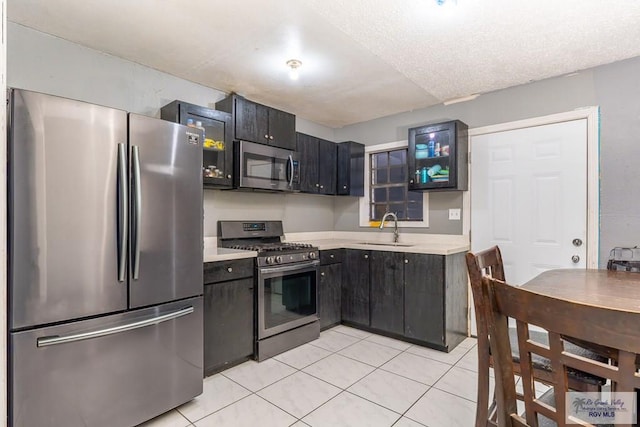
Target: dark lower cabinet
point(228, 314)
point(424, 298)
point(355, 287)
point(329, 295)
point(387, 291)
point(436, 299)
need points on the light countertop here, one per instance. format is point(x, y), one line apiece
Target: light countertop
point(325, 240)
point(214, 253)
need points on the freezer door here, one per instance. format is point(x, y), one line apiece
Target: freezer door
point(63, 209)
point(115, 371)
point(166, 211)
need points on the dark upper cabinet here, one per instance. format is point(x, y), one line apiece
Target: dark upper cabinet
point(438, 157)
point(387, 291)
point(217, 158)
point(350, 169)
point(258, 123)
point(355, 287)
point(317, 164)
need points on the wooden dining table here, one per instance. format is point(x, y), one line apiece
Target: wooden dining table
point(616, 290)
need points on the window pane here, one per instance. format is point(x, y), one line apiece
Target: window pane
point(380, 176)
point(397, 175)
point(398, 209)
point(388, 191)
point(414, 196)
point(378, 211)
point(398, 157)
point(379, 195)
point(379, 160)
point(396, 194)
point(414, 211)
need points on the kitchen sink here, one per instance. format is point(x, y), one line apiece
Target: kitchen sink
point(403, 245)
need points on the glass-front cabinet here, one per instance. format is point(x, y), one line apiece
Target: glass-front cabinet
point(437, 157)
point(217, 156)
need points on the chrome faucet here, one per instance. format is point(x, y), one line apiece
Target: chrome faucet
point(395, 227)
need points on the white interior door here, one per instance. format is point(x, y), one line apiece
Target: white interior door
point(529, 197)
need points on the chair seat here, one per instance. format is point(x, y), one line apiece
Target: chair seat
point(543, 363)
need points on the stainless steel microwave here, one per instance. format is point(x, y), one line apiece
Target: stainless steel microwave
point(263, 167)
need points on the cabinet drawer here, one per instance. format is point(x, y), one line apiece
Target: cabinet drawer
point(331, 256)
point(222, 271)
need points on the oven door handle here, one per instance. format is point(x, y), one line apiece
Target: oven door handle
point(297, 266)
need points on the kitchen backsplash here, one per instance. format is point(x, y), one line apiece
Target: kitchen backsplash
point(298, 212)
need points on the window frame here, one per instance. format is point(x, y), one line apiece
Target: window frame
point(364, 202)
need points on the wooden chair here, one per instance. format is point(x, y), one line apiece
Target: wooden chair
point(489, 263)
point(563, 319)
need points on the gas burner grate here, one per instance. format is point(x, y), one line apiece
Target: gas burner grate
point(271, 247)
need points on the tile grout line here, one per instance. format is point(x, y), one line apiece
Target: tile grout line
point(342, 390)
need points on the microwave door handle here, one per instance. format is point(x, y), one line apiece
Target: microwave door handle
point(123, 212)
point(290, 165)
point(137, 204)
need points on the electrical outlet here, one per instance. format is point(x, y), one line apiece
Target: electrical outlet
point(454, 214)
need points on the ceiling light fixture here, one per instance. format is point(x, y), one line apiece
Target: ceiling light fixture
point(447, 2)
point(294, 64)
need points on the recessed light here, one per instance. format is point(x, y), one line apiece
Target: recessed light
point(293, 65)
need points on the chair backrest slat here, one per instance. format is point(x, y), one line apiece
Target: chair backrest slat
point(563, 320)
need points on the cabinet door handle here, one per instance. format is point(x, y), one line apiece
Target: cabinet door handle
point(410, 181)
point(229, 269)
point(406, 261)
point(322, 274)
point(271, 137)
point(366, 256)
point(332, 256)
point(344, 186)
point(317, 185)
point(229, 176)
point(322, 186)
point(266, 136)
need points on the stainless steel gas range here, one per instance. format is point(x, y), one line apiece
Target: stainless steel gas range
point(286, 282)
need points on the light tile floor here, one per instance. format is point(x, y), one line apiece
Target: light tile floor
point(347, 377)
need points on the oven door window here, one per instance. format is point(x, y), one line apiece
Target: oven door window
point(265, 167)
point(289, 298)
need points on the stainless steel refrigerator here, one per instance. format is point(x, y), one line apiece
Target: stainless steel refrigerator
point(105, 264)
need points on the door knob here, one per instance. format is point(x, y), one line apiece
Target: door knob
point(577, 242)
point(575, 259)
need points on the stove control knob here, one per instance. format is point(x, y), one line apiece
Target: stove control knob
point(312, 255)
point(269, 260)
point(279, 259)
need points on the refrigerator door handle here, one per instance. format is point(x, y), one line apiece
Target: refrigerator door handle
point(54, 340)
point(137, 210)
point(123, 212)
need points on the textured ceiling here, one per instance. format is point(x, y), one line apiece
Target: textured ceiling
point(362, 59)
